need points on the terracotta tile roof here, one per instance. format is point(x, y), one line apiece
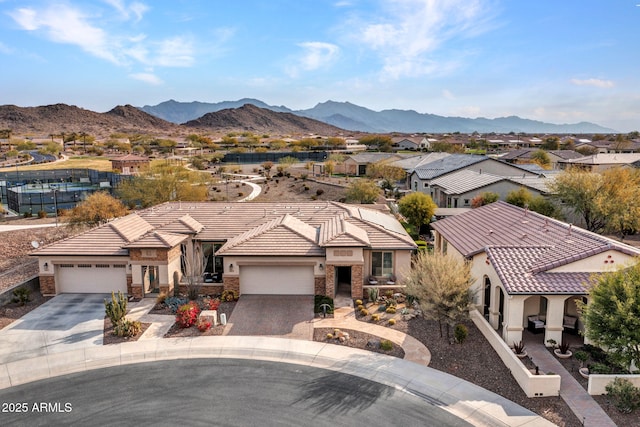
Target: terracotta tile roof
point(158, 239)
point(282, 236)
point(513, 265)
point(242, 225)
point(502, 224)
point(338, 232)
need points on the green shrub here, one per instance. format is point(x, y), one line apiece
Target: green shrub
point(374, 293)
point(229, 295)
point(626, 397)
point(127, 328)
point(319, 192)
point(116, 308)
point(174, 302)
point(581, 356)
point(21, 295)
point(599, 368)
point(386, 345)
point(460, 333)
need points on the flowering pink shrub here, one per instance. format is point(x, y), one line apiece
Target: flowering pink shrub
point(204, 326)
point(214, 304)
point(187, 315)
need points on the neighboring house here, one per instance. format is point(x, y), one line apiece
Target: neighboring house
point(525, 156)
point(423, 175)
point(130, 164)
point(415, 143)
point(600, 162)
point(457, 189)
point(529, 270)
point(252, 248)
point(609, 147)
point(356, 164)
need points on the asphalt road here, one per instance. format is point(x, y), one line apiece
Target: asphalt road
point(216, 392)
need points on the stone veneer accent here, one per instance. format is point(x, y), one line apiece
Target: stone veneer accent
point(330, 282)
point(129, 282)
point(136, 291)
point(356, 281)
point(231, 283)
point(320, 286)
point(47, 285)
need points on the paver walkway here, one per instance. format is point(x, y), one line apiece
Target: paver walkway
point(581, 403)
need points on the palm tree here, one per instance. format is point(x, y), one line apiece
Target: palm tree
point(84, 136)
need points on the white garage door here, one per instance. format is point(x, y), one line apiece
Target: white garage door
point(276, 280)
point(91, 278)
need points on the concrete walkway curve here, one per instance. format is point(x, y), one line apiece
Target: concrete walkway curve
point(461, 398)
point(344, 318)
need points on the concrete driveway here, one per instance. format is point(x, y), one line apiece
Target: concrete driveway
point(285, 316)
point(66, 322)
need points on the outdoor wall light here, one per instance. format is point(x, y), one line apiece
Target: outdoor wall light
point(46, 266)
point(321, 266)
point(230, 267)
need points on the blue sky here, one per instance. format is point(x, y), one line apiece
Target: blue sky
point(557, 61)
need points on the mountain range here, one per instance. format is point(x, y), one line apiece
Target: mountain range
point(348, 116)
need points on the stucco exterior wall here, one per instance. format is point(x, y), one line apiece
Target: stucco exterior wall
point(606, 261)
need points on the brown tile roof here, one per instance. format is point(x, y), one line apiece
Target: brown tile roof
point(513, 265)
point(523, 246)
point(130, 227)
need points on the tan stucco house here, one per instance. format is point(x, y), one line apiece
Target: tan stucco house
point(529, 270)
point(253, 248)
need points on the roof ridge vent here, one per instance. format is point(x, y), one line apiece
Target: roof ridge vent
point(569, 231)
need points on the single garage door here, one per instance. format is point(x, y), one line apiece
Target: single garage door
point(276, 280)
point(91, 278)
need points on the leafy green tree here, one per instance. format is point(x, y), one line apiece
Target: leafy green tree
point(26, 145)
point(388, 173)
point(612, 316)
point(544, 206)
point(520, 197)
point(277, 144)
point(417, 208)
point(97, 209)
point(164, 183)
point(619, 200)
point(551, 143)
point(441, 284)
point(363, 191)
point(484, 198)
point(284, 163)
point(541, 158)
point(579, 190)
point(381, 142)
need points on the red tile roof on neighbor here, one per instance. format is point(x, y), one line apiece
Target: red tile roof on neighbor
point(523, 246)
point(247, 229)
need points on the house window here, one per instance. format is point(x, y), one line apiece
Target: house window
point(466, 202)
point(381, 263)
point(426, 185)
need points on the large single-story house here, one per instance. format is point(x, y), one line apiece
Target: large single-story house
point(525, 156)
point(600, 162)
point(252, 248)
point(529, 270)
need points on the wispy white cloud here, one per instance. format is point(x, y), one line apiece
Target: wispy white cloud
point(593, 82)
point(406, 34)
point(64, 24)
point(99, 37)
point(315, 55)
point(149, 78)
point(135, 9)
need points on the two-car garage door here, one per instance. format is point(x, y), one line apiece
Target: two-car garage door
point(277, 280)
point(91, 278)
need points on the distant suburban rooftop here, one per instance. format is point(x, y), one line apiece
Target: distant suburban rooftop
point(447, 164)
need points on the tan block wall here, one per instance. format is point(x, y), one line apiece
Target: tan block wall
point(231, 283)
point(330, 280)
point(356, 281)
point(320, 285)
point(47, 285)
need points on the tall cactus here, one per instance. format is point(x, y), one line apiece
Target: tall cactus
point(116, 309)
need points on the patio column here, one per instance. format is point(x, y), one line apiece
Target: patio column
point(555, 313)
point(514, 315)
